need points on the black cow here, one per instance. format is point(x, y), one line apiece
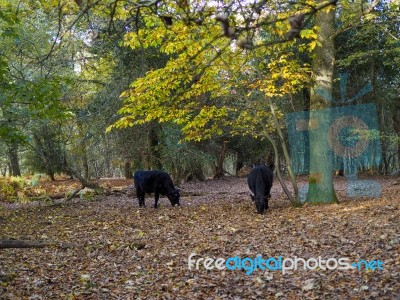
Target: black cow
point(260, 183)
point(156, 182)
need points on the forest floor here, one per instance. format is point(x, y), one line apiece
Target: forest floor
point(109, 248)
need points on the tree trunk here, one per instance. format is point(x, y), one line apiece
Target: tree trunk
point(44, 154)
point(13, 158)
point(51, 174)
point(296, 201)
point(83, 151)
point(219, 168)
point(106, 169)
point(85, 164)
point(155, 156)
point(374, 100)
point(396, 122)
point(321, 170)
point(127, 170)
point(4, 171)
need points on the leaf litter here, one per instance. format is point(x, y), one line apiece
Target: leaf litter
point(126, 252)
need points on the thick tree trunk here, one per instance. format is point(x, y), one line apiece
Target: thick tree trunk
point(321, 170)
point(44, 153)
point(219, 168)
point(13, 159)
point(127, 170)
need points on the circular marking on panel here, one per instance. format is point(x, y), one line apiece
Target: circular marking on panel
point(335, 143)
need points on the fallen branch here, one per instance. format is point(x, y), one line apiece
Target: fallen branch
point(73, 194)
point(4, 244)
point(83, 181)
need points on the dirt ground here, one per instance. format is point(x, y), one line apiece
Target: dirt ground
point(109, 248)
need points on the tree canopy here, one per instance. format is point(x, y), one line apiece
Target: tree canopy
point(211, 74)
point(214, 82)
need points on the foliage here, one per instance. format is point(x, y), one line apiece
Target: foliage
point(12, 189)
point(87, 194)
point(48, 151)
point(206, 67)
point(198, 86)
point(184, 160)
point(368, 53)
point(6, 190)
point(32, 86)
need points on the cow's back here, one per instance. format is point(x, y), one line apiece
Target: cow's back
point(152, 181)
point(260, 180)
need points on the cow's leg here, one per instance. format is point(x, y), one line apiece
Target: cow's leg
point(140, 195)
point(156, 197)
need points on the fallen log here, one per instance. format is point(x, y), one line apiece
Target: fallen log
point(4, 244)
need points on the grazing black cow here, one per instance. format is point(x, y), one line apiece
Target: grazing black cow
point(260, 183)
point(156, 182)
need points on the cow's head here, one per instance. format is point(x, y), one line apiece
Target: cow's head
point(174, 196)
point(262, 204)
